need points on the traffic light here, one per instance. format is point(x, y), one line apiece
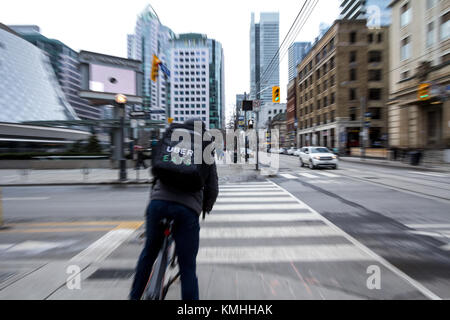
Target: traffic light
point(155, 67)
point(424, 92)
point(251, 124)
point(276, 94)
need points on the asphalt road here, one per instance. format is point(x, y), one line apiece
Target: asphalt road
point(401, 216)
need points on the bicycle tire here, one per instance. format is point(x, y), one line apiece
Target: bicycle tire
point(155, 287)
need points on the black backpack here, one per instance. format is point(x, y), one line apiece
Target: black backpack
point(173, 161)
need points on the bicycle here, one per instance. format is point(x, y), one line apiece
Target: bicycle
point(158, 284)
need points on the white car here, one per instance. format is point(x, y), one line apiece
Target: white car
point(317, 157)
point(291, 151)
point(297, 152)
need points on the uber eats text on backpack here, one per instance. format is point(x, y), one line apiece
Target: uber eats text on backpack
point(183, 156)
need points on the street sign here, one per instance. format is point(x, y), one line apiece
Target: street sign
point(137, 114)
point(247, 105)
point(164, 69)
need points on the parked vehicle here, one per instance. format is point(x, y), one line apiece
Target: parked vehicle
point(316, 157)
point(297, 152)
point(291, 151)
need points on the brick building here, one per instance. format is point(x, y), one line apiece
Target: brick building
point(342, 85)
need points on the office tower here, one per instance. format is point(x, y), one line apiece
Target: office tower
point(264, 60)
point(197, 86)
point(377, 12)
point(151, 38)
point(297, 51)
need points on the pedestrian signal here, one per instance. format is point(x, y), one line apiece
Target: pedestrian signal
point(276, 94)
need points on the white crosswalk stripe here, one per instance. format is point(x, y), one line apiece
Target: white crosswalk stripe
point(327, 174)
point(307, 175)
point(268, 212)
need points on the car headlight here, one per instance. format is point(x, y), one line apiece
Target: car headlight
point(317, 157)
point(334, 157)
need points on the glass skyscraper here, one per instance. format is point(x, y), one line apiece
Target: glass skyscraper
point(297, 51)
point(376, 12)
point(28, 85)
point(264, 60)
point(152, 38)
point(65, 63)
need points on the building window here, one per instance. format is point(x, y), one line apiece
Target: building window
point(405, 51)
point(353, 37)
point(446, 58)
point(405, 15)
point(430, 34)
point(370, 38)
point(445, 26)
point(375, 94)
point(352, 56)
point(430, 4)
point(332, 98)
point(375, 113)
point(352, 94)
point(352, 74)
point(375, 56)
point(380, 38)
point(375, 75)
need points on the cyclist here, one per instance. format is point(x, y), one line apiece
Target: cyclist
point(184, 207)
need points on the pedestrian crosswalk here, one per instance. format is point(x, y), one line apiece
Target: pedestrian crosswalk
point(263, 223)
point(317, 176)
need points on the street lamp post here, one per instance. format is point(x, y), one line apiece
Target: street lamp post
point(121, 101)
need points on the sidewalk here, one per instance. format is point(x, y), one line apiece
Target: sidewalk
point(70, 177)
point(60, 177)
point(396, 164)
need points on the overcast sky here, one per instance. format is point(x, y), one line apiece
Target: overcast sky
point(102, 26)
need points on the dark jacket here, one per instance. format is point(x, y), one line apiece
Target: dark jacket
point(198, 201)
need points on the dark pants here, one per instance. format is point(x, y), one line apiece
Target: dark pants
point(186, 234)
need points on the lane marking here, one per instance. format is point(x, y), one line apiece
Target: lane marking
point(263, 193)
point(417, 285)
point(243, 207)
point(288, 176)
point(307, 175)
point(260, 200)
point(55, 230)
point(234, 255)
point(429, 174)
point(327, 174)
point(262, 217)
point(267, 232)
point(432, 234)
point(27, 199)
point(428, 226)
point(102, 248)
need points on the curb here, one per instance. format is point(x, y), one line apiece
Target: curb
point(431, 169)
point(75, 184)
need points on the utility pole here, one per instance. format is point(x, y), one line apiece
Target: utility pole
point(245, 129)
point(121, 101)
point(362, 134)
